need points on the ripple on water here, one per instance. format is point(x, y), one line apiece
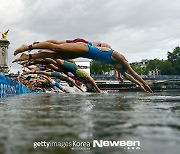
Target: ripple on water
point(152, 119)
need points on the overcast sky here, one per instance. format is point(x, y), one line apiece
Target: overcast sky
point(139, 29)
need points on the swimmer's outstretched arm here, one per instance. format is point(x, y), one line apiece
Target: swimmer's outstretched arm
point(129, 77)
point(28, 72)
point(92, 82)
point(124, 62)
point(52, 67)
point(68, 79)
point(38, 72)
point(54, 62)
point(118, 76)
point(57, 85)
point(136, 76)
point(32, 68)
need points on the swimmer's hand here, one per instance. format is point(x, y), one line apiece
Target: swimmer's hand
point(148, 89)
point(104, 92)
point(66, 90)
point(142, 88)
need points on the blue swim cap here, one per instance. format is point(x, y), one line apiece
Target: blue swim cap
point(28, 77)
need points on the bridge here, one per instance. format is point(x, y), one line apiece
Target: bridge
point(145, 77)
point(156, 82)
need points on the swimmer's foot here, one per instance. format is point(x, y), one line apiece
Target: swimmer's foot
point(36, 42)
point(23, 63)
point(21, 58)
point(21, 49)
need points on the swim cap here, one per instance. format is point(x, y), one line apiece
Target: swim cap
point(28, 77)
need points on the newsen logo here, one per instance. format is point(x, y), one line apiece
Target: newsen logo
point(123, 144)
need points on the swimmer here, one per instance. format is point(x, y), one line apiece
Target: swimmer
point(56, 84)
point(41, 83)
point(72, 68)
point(44, 63)
point(75, 50)
point(94, 43)
point(60, 64)
point(55, 74)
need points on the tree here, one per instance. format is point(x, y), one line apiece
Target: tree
point(140, 70)
point(99, 68)
point(174, 58)
point(165, 67)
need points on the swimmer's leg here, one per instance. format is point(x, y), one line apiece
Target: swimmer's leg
point(68, 48)
point(41, 45)
point(43, 54)
point(56, 42)
point(23, 57)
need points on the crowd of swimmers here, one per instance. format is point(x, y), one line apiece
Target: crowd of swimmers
point(53, 62)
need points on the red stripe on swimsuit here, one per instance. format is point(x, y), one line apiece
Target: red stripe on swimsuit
point(67, 73)
point(99, 45)
point(77, 40)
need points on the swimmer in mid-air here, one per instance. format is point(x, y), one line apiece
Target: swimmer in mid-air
point(80, 49)
point(64, 65)
point(54, 74)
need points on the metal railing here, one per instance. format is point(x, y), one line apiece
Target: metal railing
point(107, 76)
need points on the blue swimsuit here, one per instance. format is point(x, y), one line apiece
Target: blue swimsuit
point(41, 68)
point(99, 55)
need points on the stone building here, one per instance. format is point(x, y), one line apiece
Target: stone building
point(4, 44)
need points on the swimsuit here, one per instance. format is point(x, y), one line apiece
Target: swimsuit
point(99, 45)
point(99, 55)
point(60, 76)
point(57, 84)
point(70, 67)
point(28, 77)
point(68, 73)
point(56, 74)
point(47, 83)
point(83, 76)
point(95, 53)
point(41, 68)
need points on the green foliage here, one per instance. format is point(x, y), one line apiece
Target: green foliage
point(174, 59)
point(139, 70)
point(100, 68)
point(164, 66)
